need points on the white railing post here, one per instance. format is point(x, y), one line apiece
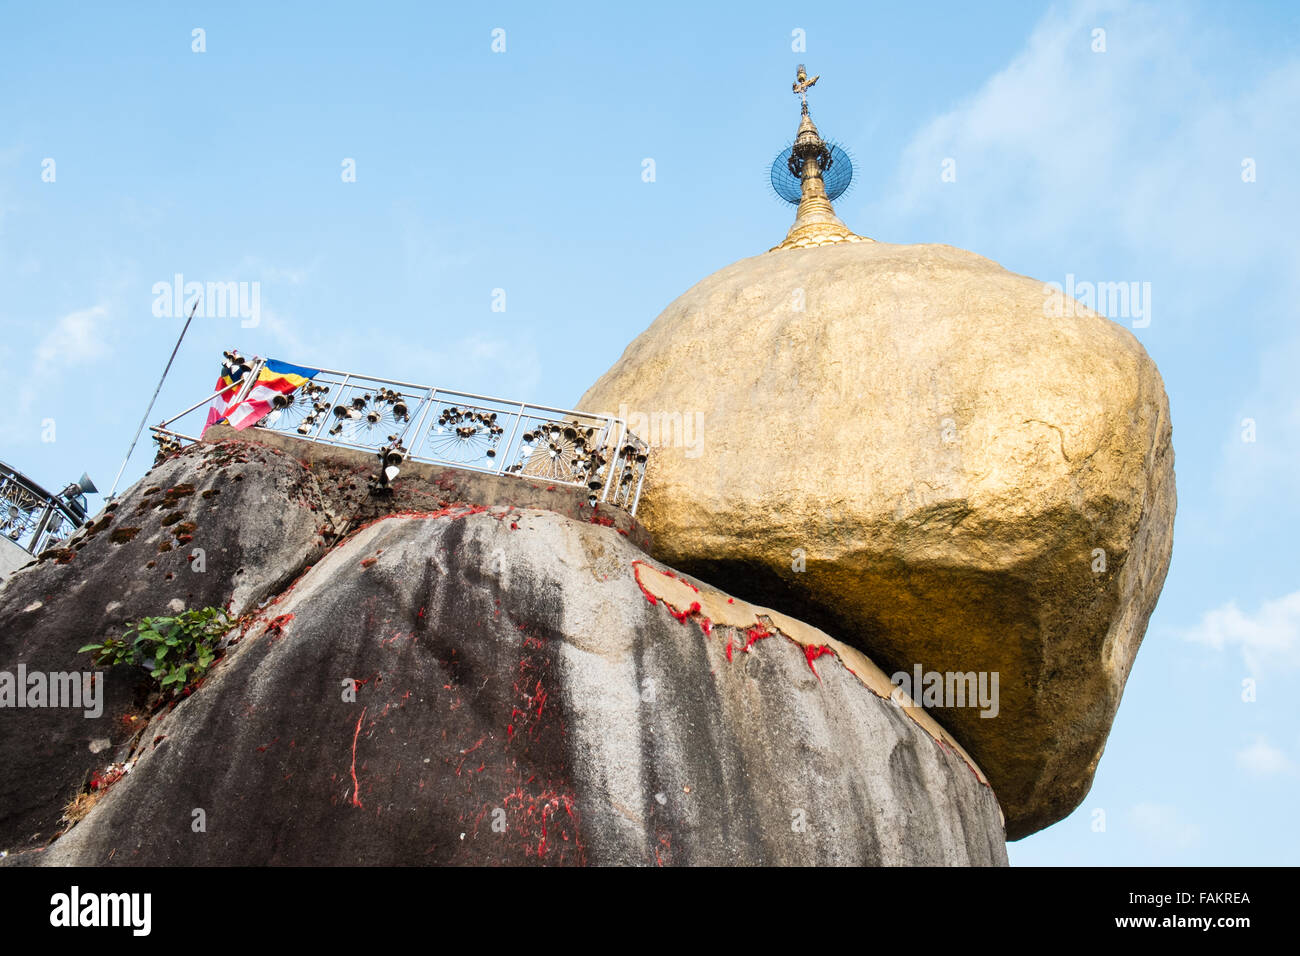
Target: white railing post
point(618, 449)
point(505, 451)
point(329, 412)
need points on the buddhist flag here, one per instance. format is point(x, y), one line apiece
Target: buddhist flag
point(275, 379)
point(233, 371)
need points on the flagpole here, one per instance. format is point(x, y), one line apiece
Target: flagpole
point(177, 348)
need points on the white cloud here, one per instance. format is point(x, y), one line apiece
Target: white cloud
point(1076, 148)
point(1164, 825)
point(78, 338)
point(1268, 638)
point(75, 339)
point(1264, 759)
point(284, 331)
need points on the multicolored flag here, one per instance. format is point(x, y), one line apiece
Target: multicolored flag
point(275, 379)
point(233, 370)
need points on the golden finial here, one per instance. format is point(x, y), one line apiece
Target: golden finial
point(815, 222)
point(802, 85)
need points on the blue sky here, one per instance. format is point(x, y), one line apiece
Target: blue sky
point(522, 171)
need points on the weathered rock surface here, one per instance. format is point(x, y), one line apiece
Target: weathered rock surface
point(258, 517)
point(261, 507)
point(520, 699)
point(955, 464)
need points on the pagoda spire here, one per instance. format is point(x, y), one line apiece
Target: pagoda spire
point(815, 222)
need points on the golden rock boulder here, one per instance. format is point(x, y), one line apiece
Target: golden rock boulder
point(913, 449)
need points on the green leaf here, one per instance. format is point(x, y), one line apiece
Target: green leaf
point(181, 648)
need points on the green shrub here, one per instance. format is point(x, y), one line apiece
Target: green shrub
point(182, 648)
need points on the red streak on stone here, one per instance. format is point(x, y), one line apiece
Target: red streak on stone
point(728, 649)
point(754, 635)
point(636, 573)
point(681, 615)
point(708, 627)
point(275, 627)
point(356, 791)
point(107, 779)
point(814, 651)
point(667, 843)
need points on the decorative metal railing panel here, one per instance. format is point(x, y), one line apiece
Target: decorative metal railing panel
point(445, 427)
point(30, 516)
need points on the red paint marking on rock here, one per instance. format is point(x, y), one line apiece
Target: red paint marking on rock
point(754, 635)
point(814, 651)
point(356, 790)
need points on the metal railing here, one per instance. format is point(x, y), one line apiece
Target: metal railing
point(30, 516)
point(444, 427)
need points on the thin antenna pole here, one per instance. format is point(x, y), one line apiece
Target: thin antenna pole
point(185, 329)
